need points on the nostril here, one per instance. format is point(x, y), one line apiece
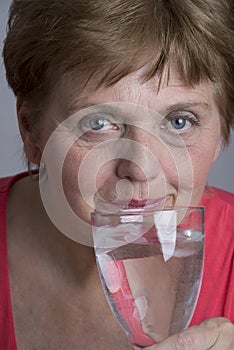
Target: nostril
point(131, 171)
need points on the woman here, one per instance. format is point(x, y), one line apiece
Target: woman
point(141, 94)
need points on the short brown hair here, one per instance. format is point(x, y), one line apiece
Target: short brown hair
point(117, 37)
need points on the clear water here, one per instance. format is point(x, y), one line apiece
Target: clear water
point(150, 296)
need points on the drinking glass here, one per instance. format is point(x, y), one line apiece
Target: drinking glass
point(150, 264)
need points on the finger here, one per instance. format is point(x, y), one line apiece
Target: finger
point(225, 339)
point(215, 334)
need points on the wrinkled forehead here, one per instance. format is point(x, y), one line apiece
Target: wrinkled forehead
point(73, 94)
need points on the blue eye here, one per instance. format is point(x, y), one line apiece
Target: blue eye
point(180, 123)
point(98, 124)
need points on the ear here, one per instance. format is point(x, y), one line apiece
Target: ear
point(27, 131)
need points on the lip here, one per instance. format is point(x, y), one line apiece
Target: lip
point(141, 204)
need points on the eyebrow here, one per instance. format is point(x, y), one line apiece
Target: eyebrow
point(187, 106)
point(75, 107)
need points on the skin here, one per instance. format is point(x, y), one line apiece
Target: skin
point(178, 171)
point(216, 333)
point(64, 257)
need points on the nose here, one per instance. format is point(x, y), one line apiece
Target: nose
point(141, 163)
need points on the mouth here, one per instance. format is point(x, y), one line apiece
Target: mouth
point(143, 204)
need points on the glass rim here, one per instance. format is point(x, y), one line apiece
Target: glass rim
point(147, 211)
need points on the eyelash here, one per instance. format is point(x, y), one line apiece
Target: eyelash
point(115, 126)
point(185, 115)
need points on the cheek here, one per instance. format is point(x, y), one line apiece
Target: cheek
point(186, 172)
point(74, 185)
point(202, 160)
point(177, 168)
point(201, 167)
point(84, 174)
point(170, 169)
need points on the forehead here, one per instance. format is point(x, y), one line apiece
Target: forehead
point(154, 93)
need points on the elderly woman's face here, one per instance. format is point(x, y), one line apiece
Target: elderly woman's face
point(130, 145)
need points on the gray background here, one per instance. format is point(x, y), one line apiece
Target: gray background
point(12, 158)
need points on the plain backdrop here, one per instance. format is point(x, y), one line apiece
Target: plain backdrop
point(12, 159)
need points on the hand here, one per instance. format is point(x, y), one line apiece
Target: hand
point(214, 333)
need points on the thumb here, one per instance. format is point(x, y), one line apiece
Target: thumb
point(215, 333)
